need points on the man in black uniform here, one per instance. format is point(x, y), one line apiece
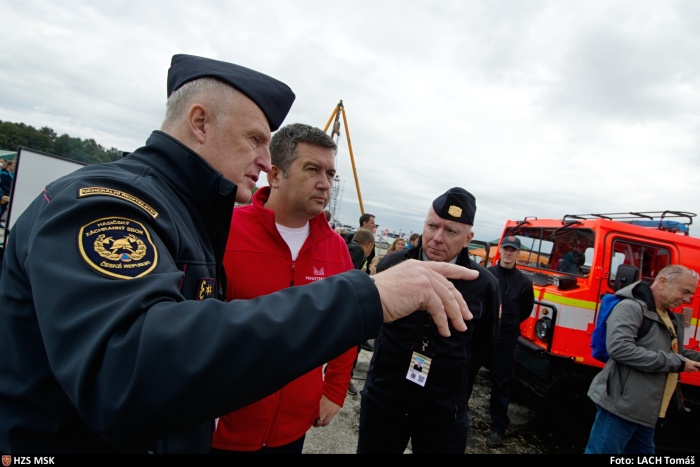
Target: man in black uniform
point(429, 407)
point(517, 300)
point(114, 330)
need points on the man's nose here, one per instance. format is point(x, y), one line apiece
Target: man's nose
point(265, 160)
point(324, 184)
point(439, 235)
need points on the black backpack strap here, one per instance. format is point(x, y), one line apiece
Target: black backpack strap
point(645, 327)
point(642, 291)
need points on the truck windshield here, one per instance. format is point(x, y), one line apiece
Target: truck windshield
point(562, 249)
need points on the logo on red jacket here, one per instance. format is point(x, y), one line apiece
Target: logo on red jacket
point(319, 272)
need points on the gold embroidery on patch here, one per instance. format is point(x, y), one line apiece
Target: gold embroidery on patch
point(455, 211)
point(124, 243)
point(96, 190)
point(118, 247)
point(206, 289)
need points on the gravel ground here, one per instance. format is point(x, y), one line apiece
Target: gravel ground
point(530, 432)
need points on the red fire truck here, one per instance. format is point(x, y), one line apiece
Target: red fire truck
point(572, 263)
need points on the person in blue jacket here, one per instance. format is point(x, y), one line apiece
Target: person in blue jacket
point(7, 175)
point(116, 336)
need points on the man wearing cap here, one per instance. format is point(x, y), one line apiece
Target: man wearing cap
point(116, 334)
point(517, 300)
point(429, 407)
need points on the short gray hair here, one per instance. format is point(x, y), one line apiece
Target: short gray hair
point(672, 269)
point(215, 94)
point(283, 144)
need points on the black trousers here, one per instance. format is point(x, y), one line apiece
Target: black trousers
point(501, 371)
point(387, 432)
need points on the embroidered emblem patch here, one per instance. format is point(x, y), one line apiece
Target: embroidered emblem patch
point(455, 211)
point(206, 289)
point(118, 247)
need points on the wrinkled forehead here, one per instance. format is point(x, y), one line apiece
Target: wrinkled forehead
point(684, 281)
point(688, 281)
point(313, 154)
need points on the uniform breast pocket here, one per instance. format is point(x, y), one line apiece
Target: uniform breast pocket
point(476, 306)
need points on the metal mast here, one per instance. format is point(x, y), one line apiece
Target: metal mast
point(335, 117)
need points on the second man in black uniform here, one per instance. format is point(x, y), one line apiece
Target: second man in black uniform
point(417, 383)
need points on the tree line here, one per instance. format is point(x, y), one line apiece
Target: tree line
point(13, 135)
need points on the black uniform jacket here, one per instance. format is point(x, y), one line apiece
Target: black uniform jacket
point(112, 332)
point(445, 392)
point(517, 300)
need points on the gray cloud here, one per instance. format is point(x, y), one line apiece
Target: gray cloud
point(540, 108)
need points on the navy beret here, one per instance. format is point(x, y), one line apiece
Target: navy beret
point(456, 204)
point(273, 97)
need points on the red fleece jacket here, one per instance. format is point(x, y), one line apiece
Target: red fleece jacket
point(258, 262)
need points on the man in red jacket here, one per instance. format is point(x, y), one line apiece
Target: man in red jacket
point(283, 240)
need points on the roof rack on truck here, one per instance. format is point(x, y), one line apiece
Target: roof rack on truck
point(654, 219)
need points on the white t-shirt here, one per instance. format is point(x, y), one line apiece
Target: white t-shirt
point(295, 237)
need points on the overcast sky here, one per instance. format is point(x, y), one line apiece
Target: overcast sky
point(539, 108)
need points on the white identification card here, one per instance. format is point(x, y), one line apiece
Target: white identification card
point(418, 369)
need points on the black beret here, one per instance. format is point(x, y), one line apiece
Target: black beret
point(273, 97)
point(456, 204)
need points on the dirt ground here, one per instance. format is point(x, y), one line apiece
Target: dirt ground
point(530, 432)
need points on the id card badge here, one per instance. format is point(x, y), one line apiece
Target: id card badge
point(418, 369)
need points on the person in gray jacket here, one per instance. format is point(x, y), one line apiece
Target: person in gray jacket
point(636, 385)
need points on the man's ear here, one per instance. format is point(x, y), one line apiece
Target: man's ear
point(469, 239)
point(198, 118)
point(274, 176)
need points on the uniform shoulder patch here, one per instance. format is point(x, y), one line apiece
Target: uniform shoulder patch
point(118, 247)
point(102, 191)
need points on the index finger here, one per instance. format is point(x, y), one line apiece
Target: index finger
point(452, 271)
point(447, 304)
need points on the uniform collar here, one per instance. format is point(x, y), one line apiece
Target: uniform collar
point(205, 193)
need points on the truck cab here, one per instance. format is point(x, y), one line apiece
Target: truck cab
point(573, 262)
